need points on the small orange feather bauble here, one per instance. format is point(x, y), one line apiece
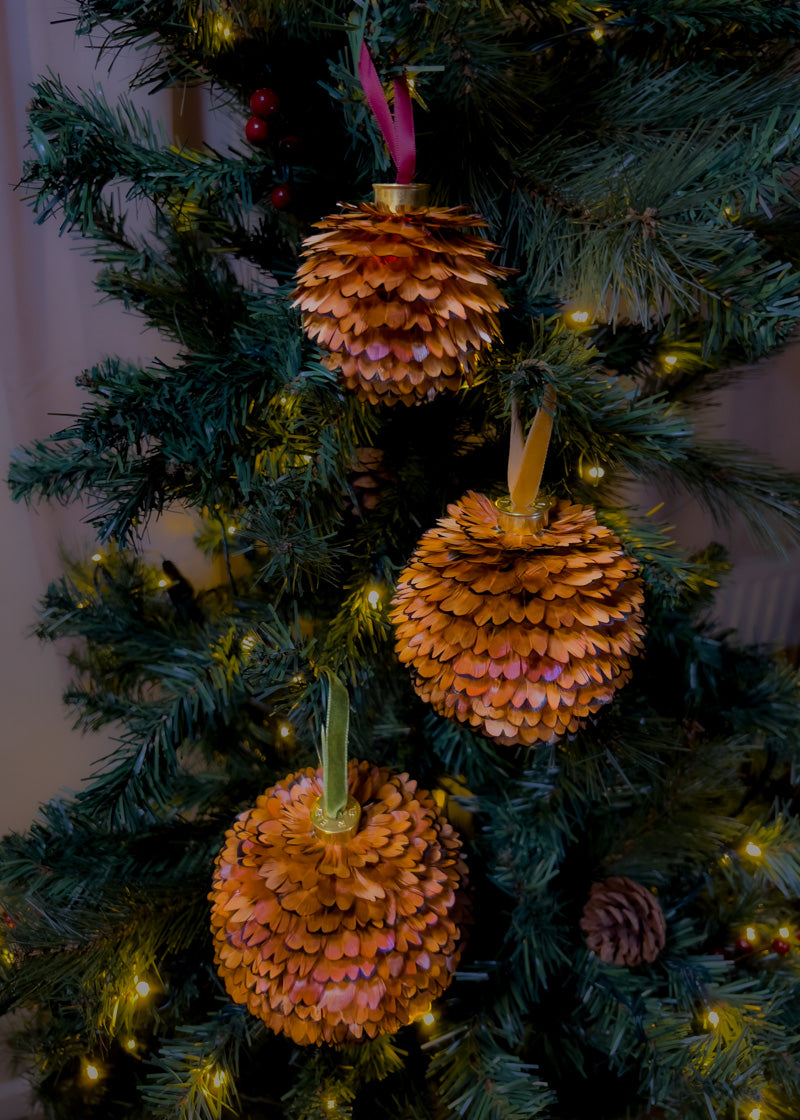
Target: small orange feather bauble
point(404, 301)
point(339, 941)
point(521, 634)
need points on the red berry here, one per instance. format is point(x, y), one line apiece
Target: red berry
point(289, 148)
point(280, 196)
point(781, 946)
point(743, 945)
point(264, 102)
point(256, 130)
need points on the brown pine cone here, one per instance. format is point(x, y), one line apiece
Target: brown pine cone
point(403, 301)
point(368, 477)
point(623, 922)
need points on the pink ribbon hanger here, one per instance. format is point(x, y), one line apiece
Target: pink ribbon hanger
point(397, 130)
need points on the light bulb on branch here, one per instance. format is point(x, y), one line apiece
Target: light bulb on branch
point(591, 471)
point(91, 1072)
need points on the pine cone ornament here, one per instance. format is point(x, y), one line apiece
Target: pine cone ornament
point(404, 301)
point(338, 941)
point(623, 922)
point(522, 634)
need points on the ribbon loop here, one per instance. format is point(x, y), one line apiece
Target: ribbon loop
point(397, 131)
point(526, 457)
point(334, 747)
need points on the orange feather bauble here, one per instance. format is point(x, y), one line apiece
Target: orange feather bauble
point(338, 941)
point(404, 301)
point(521, 634)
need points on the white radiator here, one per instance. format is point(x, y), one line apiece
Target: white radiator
point(760, 599)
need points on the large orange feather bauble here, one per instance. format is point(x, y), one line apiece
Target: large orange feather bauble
point(339, 941)
point(404, 301)
point(519, 634)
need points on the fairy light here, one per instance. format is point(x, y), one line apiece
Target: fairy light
point(429, 1018)
point(297, 678)
point(219, 1079)
point(284, 730)
point(754, 1114)
point(97, 557)
point(597, 33)
point(753, 849)
point(143, 988)
point(750, 934)
point(163, 583)
point(593, 473)
point(91, 1072)
point(231, 529)
point(374, 596)
point(713, 1018)
point(670, 360)
point(130, 1044)
point(579, 316)
point(784, 932)
point(249, 643)
point(330, 1104)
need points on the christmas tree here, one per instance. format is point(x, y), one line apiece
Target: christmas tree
point(573, 888)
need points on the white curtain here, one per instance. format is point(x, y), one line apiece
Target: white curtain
point(51, 328)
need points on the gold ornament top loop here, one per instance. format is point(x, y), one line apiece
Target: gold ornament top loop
point(335, 830)
point(401, 196)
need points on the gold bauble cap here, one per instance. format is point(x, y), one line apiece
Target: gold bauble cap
point(335, 830)
point(401, 196)
point(528, 520)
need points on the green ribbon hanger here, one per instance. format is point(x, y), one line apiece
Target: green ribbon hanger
point(336, 814)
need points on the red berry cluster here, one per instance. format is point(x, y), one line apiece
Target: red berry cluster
point(265, 105)
point(779, 944)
